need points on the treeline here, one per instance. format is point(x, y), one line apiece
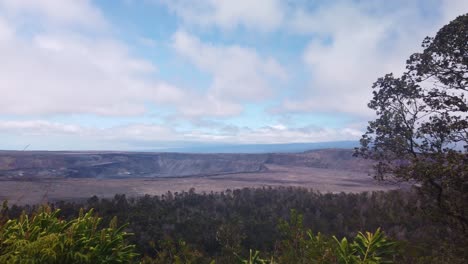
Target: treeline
point(221, 226)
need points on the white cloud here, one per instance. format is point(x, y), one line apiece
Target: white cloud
point(152, 134)
point(275, 134)
point(452, 9)
point(56, 74)
point(50, 65)
point(48, 71)
point(196, 106)
point(38, 127)
point(6, 31)
point(353, 45)
point(69, 12)
point(264, 15)
point(238, 73)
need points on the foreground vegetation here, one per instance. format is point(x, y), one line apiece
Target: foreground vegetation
point(45, 238)
point(286, 225)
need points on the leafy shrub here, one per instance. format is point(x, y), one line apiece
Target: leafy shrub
point(45, 238)
point(177, 252)
point(254, 258)
point(369, 248)
point(302, 246)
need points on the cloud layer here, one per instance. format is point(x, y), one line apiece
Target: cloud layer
point(355, 44)
point(264, 15)
point(239, 74)
point(38, 133)
point(252, 69)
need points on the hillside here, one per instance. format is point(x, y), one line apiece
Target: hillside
point(32, 177)
point(39, 165)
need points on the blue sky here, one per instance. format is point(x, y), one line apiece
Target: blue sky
point(146, 74)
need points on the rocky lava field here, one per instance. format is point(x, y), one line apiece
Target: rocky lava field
point(33, 176)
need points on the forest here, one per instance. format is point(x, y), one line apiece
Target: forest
point(224, 227)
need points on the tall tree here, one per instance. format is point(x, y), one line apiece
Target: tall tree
point(421, 130)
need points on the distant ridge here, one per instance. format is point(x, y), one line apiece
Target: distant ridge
point(36, 165)
point(261, 148)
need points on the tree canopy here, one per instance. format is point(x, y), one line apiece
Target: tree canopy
point(421, 130)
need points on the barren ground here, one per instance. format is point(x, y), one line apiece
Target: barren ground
point(321, 179)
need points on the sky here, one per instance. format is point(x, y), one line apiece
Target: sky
point(152, 74)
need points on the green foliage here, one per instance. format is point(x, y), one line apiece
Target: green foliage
point(345, 251)
point(302, 246)
point(374, 247)
point(4, 213)
point(254, 258)
point(176, 252)
point(214, 226)
point(320, 249)
point(45, 238)
point(420, 134)
point(292, 248)
point(368, 248)
point(230, 236)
